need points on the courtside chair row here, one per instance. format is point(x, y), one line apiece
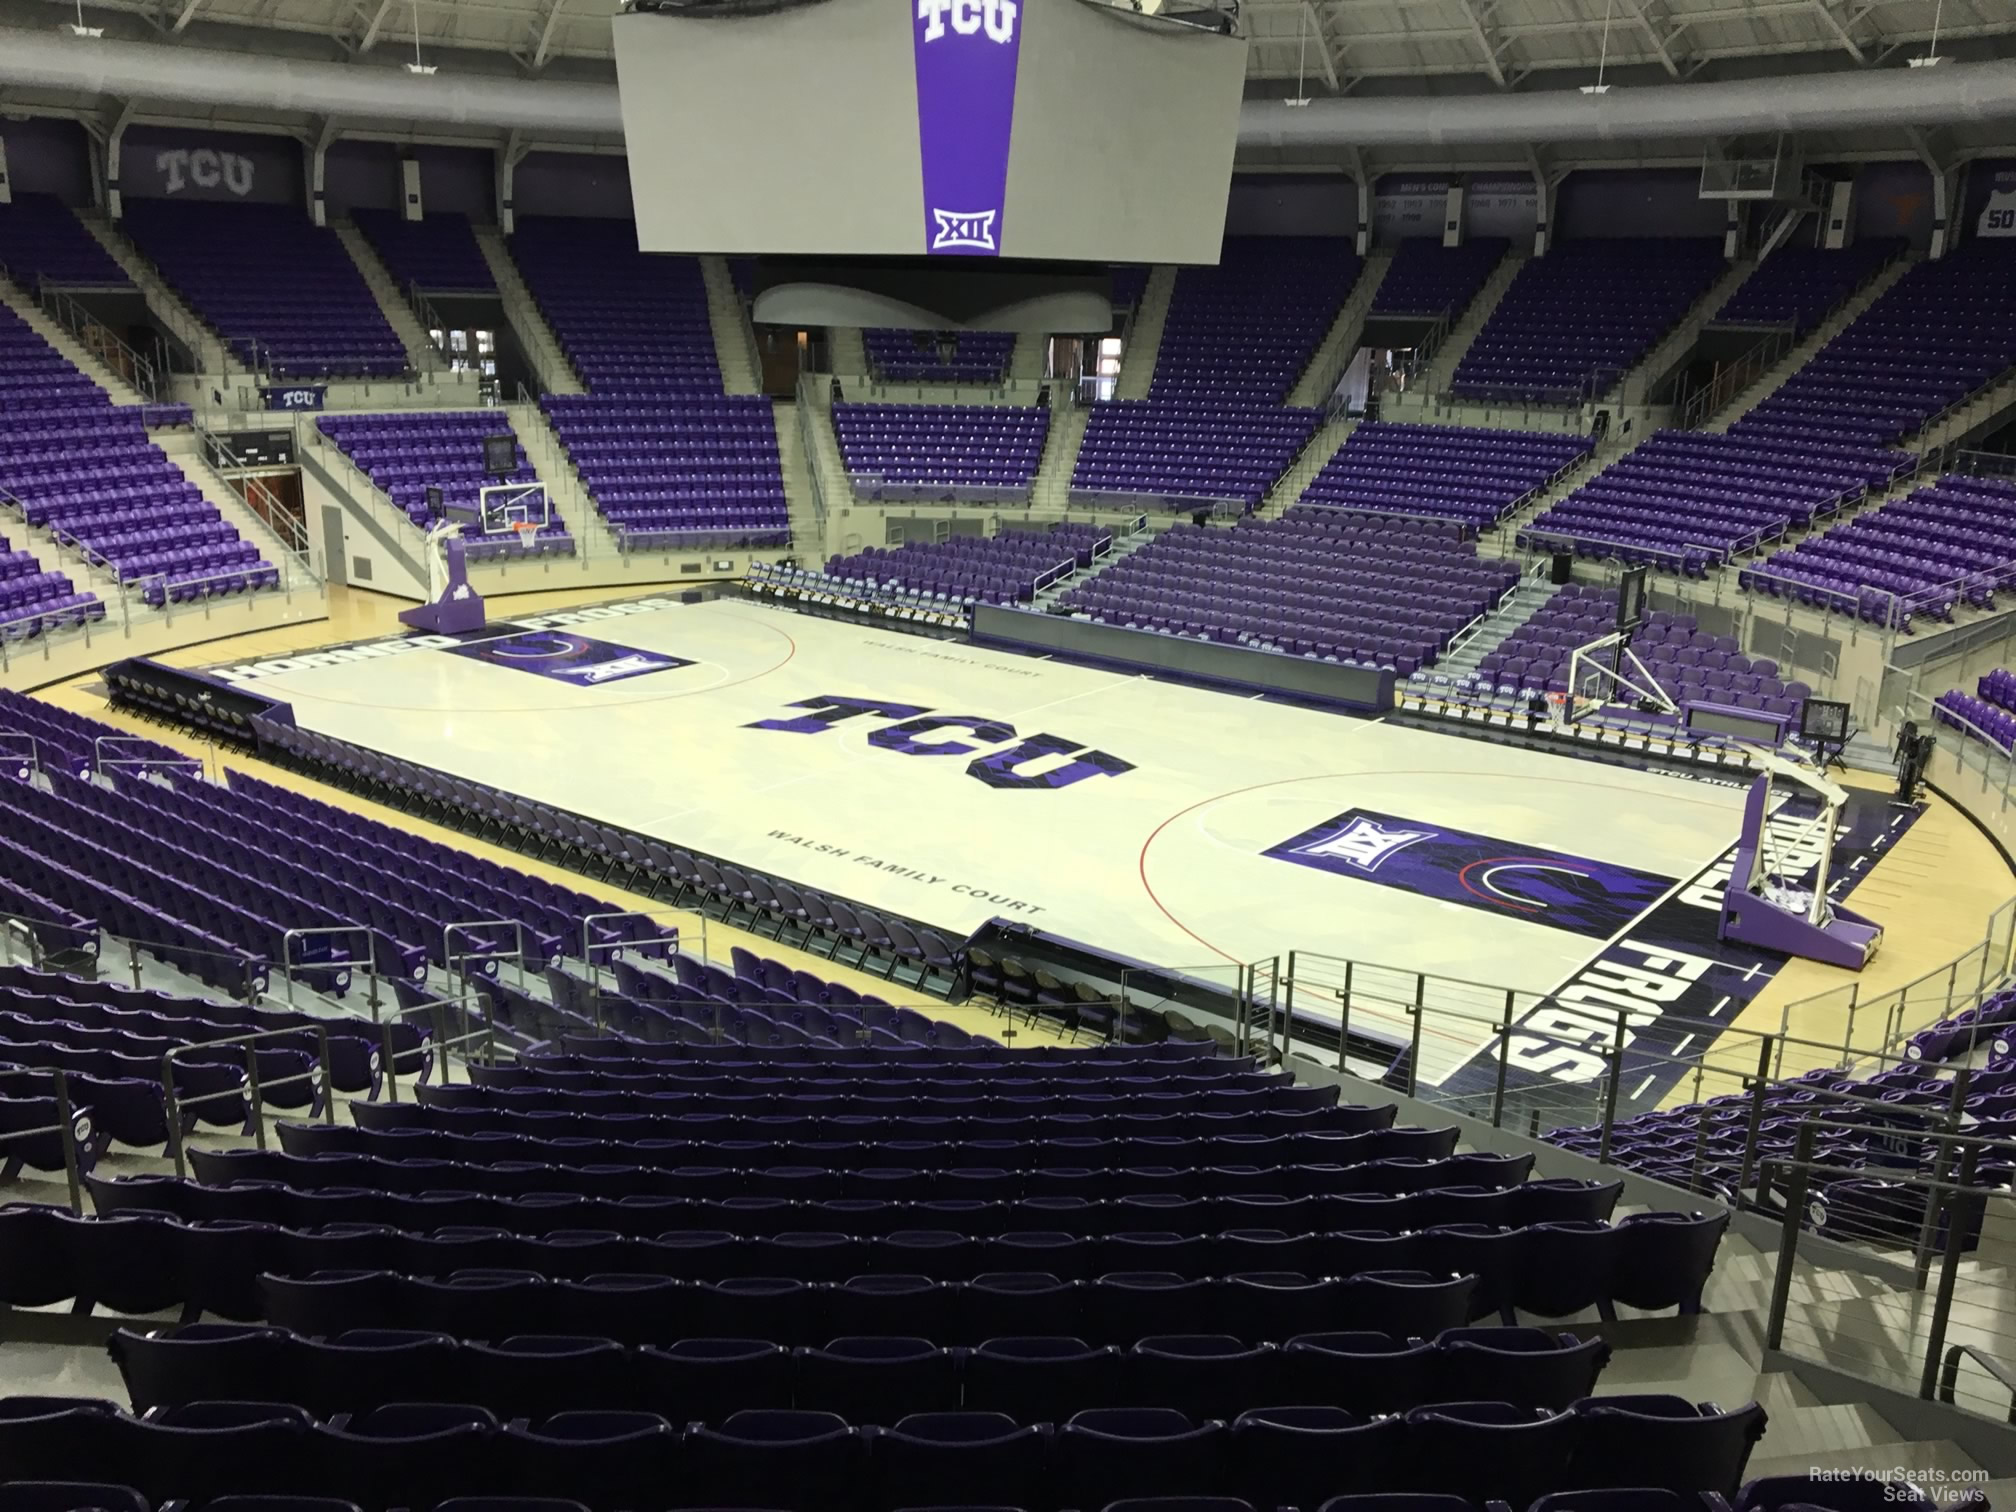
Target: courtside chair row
point(787, 914)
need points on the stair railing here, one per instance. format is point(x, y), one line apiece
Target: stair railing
point(431, 323)
point(1708, 399)
point(809, 450)
point(102, 342)
point(1356, 306)
point(288, 529)
point(1699, 405)
point(1426, 349)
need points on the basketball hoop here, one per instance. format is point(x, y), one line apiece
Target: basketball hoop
point(527, 532)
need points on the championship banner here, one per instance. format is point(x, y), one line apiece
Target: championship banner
point(1524, 882)
point(300, 398)
point(966, 51)
point(1998, 216)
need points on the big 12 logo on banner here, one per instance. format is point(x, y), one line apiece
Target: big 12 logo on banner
point(966, 53)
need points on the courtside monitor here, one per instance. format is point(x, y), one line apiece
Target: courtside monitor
point(1060, 130)
point(1631, 599)
point(1824, 720)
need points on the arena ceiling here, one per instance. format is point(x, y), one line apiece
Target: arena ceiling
point(1336, 45)
point(1336, 50)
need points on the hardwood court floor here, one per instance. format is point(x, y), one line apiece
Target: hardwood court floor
point(1932, 892)
point(356, 614)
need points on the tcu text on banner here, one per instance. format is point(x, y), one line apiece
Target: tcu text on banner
point(966, 52)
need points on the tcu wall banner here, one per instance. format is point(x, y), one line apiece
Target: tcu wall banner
point(966, 52)
point(307, 397)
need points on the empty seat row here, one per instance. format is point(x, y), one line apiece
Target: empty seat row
point(408, 1454)
point(871, 1378)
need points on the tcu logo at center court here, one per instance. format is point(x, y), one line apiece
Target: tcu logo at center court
point(968, 17)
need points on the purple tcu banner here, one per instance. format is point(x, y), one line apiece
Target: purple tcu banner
point(1595, 898)
point(966, 53)
point(567, 657)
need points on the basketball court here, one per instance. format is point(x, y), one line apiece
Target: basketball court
point(948, 785)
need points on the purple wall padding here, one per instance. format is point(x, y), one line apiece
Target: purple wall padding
point(361, 175)
point(1285, 204)
point(459, 180)
point(567, 183)
point(48, 156)
point(1639, 202)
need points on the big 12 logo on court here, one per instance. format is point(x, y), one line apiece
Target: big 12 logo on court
point(968, 18)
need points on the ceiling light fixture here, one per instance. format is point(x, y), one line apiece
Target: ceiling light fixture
point(1301, 98)
point(416, 66)
point(79, 29)
point(1931, 58)
point(1602, 57)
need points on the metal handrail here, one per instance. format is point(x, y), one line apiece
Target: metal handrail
point(1356, 308)
point(1430, 345)
point(1955, 1000)
point(1709, 398)
point(100, 340)
point(99, 763)
point(808, 449)
point(1789, 336)
point(2000, 379)
point(450, 956)
point(1949, 1373)
point(252, 1090)
point(34, 748)
point(67, 1132)
point(292, 535)
point(287, 967)
point(1718, 555)
point(589, 947)
point(423, 310)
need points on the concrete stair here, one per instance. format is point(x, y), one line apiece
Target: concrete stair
point(1902, 1460)
point(72, 349)
point(1025, 365)
point(1501, 538)
point(1441, 365)
point(1124, 546)
point(1528, 597)
point(565, 492)
point(1805, 350)
point(1050, 489)
point(1657, 365)
point(1333, 353)
point(166, 306)
point(1144, 335)
point(1981, 414)
point(808, 531)
point(734, 339)
point(521, 311)
point(1329, 437)
point(848, 350)
point(280, 545)
point(825, 462)
point(53, 558)
point(421, 353)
